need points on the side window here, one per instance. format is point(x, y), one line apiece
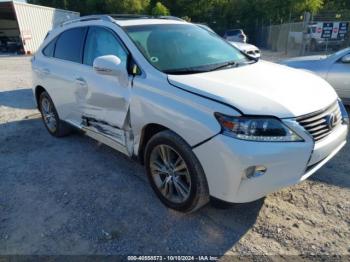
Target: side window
point(50, 49)
point(100, 42)
point(69, 45)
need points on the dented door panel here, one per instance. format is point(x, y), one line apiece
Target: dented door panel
point(106, 98)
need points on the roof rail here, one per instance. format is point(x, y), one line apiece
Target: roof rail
point(133, 16)
point(89, 18)
point(112, 17)
point(129, 16)
point(170, 17)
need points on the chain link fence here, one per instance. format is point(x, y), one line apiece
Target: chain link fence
point(307, 35)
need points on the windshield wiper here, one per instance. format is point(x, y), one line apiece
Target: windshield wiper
point(184, 71)
point(194, 70)
point(227, 64)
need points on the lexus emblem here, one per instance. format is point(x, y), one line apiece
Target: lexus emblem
point(331, 121)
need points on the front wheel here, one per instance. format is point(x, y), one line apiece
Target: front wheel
point(175, 173)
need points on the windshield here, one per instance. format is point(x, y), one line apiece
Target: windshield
point(340, 52)
point(184, 48)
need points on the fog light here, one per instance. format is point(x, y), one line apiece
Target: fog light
point(255, 171)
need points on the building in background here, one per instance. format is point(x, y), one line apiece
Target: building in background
point(23, 26)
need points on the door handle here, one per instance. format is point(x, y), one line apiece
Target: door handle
point(81, 82)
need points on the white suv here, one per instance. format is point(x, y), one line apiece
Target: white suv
point(204, 118)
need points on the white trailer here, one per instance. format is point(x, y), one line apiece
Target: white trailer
point(28, 24)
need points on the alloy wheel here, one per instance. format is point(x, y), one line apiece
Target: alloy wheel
point(48, 113)
point(170, 174)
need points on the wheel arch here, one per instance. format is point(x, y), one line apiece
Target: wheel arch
point(38, 91)
point(147, 132)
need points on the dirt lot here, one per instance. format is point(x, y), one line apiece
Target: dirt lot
point(75, 196)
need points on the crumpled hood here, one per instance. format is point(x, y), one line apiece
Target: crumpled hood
point(263, 88)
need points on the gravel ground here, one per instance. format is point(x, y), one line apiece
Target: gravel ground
point(76, 196)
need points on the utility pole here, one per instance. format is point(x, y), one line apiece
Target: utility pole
point(307, 17)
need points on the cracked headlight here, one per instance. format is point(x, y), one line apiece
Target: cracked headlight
point(261, 129)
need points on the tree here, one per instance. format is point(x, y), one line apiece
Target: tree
point(218, 14)
point(98, 6)
point(160, 9)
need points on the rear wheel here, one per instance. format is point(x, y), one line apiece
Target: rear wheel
point(175, 173)
point(49, 114)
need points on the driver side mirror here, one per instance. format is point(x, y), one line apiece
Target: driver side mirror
point(346, 59)
point(109, 65)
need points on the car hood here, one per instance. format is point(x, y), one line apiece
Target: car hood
point(263, 88)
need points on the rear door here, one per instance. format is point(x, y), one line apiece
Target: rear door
point(59, 71)
point(106, 98)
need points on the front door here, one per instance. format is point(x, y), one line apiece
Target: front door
point(105, 98)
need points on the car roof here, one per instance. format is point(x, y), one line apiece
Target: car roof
point(128, 20)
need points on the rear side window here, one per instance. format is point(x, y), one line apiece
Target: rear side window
point(234, 32)
point(50, 49)
point(69, 45)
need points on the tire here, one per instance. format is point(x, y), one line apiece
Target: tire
point(197, 193)
point(50, 116)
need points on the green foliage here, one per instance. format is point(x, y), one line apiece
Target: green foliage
point(219, 14)
point(160, 9)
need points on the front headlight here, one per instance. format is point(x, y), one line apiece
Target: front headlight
point(261, 129)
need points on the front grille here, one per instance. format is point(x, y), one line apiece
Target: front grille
point(320, 124)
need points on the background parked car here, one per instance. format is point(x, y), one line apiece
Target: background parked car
point(3, 43)
point(315, 38)
point(347, 40)
point(249, 49)
point(235, 35)
point(10, 45)
point(334, 68)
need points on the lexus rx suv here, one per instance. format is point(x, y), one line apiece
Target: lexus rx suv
point(204, 118)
